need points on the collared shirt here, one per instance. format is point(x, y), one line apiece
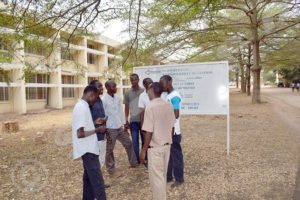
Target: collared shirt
point(175, 99)
point(131, 97)
point(159, 119)
point(97, 111)
point(114, 111)
point(144, 100)
point(81, 117)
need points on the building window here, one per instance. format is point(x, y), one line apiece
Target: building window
point(91, 58)
point(66, 79)
point(90, 46)
point(66, 54)
point(4, 92)
point(4, 76)
point(33, 93)
point(68, 92)
point(36, 49)
point(39, 78)
point(92, 78)
point(4, 95)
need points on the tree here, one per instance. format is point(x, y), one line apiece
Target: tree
point(284, 60)
point(185, 28)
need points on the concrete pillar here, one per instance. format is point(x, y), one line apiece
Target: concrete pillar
point(55, 94)
point(105, 61)
point(82, 60)
point(19, 93)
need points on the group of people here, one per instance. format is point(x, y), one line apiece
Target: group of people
point(295, 85)
point(152, 114)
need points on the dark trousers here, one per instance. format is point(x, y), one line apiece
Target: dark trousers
point(136, 131)
point(175, 167)
point(93, 183)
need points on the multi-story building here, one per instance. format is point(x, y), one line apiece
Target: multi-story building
point(58, 77)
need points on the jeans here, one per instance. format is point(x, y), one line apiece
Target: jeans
point(135, 129)
point(176, 165)
point(93, 183)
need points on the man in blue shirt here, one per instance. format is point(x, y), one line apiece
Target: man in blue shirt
point(175, 167)
point(98, 115)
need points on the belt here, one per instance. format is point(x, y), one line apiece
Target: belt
point(162, 145)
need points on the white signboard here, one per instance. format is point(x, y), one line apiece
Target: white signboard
point(203, 86)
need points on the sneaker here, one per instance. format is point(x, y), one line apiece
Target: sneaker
point(176, 184)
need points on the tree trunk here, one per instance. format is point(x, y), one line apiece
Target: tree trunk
point(248, 79)
point(256, 56)
point(243, 80)
point(248, 70)
point(237, 77)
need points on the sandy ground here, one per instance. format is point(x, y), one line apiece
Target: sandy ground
point(36, 162)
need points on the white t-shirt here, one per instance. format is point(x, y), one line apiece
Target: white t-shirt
point(175, 99)
point(144, 100)
point(81, 117)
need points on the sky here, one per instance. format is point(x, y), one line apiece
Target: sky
point(114, 30)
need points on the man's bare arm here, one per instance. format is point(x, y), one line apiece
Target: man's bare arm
point(142, 113)
point(147, 140)
point(147, 137)
point(81, 133)
point(176, 112)
point(126, 111)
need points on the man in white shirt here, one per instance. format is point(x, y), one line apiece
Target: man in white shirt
point(144, 98)
point(85, 145)
point(115, 126)
point(143, 102)
point(176, 165)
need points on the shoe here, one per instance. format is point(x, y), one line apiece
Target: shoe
point(176, 184)
point(169, 180)
point(146, 165)
point(134, 166)
point(106, 186)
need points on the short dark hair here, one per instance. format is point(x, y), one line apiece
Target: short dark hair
point(146, 79)
point(134, 74)
point(108, 82)
point(90, 88)
point(166, 77)
point(94, 82)
point(157, 88)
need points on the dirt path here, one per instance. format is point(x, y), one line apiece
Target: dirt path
point(287, 106)
point(36, 163)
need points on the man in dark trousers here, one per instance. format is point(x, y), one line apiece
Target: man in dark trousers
point(175, 167)
point(131, 101)
point(85, 145)
point(99, 119)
